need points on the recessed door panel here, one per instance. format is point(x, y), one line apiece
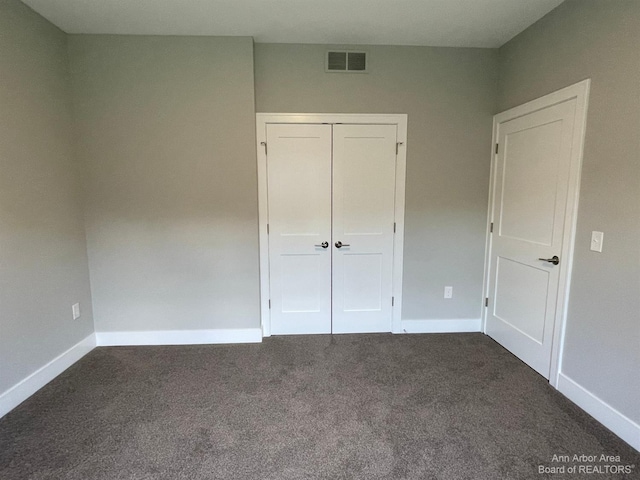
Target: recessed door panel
point(362, 282)
point(301, 282)
point(528, 201)
point(520, 297)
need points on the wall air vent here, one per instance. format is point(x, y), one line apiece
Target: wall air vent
point(343, 61)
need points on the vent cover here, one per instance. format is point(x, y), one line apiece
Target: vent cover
point(343, 61)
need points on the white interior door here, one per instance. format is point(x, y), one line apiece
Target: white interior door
point(364, 165)
point(531, 185)
point(299, 206)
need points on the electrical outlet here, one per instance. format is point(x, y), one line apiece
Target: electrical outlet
point(75, 310)
point(448, 292)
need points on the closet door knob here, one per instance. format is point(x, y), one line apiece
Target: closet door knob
point(555, 260)
point(339, 244)
point(323, 245)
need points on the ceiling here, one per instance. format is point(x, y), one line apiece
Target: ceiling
point(447, 23)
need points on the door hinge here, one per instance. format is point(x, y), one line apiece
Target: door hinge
point(491, 229)
point(486, 302)
point(264, 144)
point(398, 146)
point(497, 147)
point(394, 227)
point(393, 301)
point(269, 304)
point(267, 229)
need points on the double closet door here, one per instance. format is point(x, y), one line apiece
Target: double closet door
point(331, 191)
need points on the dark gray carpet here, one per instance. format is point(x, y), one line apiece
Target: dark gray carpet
point(316, 407)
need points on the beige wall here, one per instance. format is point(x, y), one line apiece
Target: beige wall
point(598, 40)
point(166, 130)
point(43, 254)
point(449, 95)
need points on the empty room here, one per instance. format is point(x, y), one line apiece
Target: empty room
point(295, 239)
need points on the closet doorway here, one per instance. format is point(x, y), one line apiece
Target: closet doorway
point(331, 194)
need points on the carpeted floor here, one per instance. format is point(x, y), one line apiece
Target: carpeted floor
point(315, 407)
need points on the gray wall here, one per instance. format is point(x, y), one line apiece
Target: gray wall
point(166, 129)
point(449, 95)
point(597, 40)
point(43, 255)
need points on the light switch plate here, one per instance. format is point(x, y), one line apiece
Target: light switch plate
point(75, 310)
point(596, 241)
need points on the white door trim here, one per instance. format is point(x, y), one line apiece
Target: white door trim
point(400, 120)
point(579, 91)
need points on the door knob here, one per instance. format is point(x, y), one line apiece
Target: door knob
point(339, 244)
point(323, 245)
point(555, 260)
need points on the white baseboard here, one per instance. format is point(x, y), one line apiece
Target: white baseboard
point(38, 379)
point(179, 337)
point(615, 421)
point(455, 325)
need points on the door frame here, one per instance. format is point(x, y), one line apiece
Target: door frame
point(400, 120)
point(579, 91)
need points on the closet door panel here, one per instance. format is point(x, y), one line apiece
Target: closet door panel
point(364, 165)
point(299, 206)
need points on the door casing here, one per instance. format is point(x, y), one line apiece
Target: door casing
point(400, 120)
point(579, 91)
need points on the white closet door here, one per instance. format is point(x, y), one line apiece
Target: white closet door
point(364, 165)
point(299, 197)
